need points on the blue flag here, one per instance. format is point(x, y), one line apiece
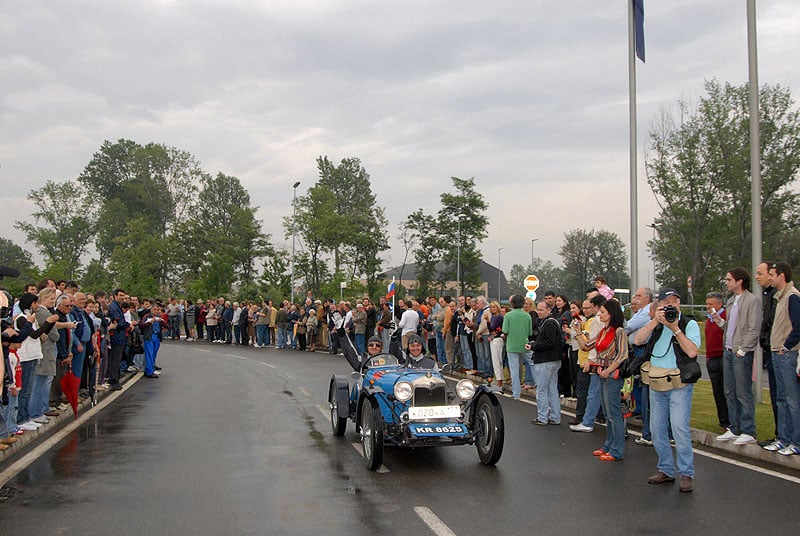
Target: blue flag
point(638, 27)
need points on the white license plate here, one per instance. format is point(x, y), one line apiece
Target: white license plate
point(433, 412)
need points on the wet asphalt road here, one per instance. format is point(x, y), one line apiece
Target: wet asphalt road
point(234, 440)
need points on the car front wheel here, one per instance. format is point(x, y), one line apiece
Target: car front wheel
point(491, 430)
point(371, 430)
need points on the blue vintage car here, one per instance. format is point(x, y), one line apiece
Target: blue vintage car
point(392, 404)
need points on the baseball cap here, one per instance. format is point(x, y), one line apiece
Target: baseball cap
point(667, 292)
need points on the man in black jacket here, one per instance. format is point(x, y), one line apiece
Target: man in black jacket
point(546, 363)
point(768, 303)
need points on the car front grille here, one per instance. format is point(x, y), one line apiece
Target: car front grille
point(435, 396)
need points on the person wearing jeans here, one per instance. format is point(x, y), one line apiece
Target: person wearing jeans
point(671, 340)
point(785, 341)
point(517, 329)
point(742, 329)
point(546, 363)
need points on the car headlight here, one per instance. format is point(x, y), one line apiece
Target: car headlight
point(465, 389)
point(402, 391)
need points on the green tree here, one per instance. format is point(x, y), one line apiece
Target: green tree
point(61, 226)
point(13, 256)
point(422, 229)
point(587, 254)
point(698, 166)
point(225, 223)
point(339, 216)
point(130, 180)
point(462, 223)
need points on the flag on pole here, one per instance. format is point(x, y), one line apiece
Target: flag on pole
point(638, 25)
point(391, 289)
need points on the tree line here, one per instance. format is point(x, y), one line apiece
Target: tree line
point(150, 219)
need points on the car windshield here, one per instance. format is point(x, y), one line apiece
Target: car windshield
point(382, 360)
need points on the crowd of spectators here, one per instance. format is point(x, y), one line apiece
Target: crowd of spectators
point(559, 348)
point(54, 329)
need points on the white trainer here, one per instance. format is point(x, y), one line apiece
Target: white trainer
point(744, 439)
point(727, 436)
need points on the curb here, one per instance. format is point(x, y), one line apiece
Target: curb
point(700, 437)
point(30, 438)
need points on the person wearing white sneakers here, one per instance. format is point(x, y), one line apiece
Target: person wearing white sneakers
point(785, 342)
point(740, 340)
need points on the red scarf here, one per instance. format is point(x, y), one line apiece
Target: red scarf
point(605, 338)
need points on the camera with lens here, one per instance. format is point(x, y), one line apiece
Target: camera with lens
point(671, 313)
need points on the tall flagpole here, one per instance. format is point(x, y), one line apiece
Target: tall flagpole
point(634, 195)
point(755, 163)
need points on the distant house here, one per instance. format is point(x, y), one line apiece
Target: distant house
point(488, 277)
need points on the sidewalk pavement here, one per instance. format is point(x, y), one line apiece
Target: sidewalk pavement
point(699, 437)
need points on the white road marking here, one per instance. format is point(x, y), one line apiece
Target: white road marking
point(748, 466)
point(237, 357)
point(203, 350)
point(325, 411)
point(305, 392)
point(267, 364)
point(723, 459)
point(12, 470)
point(432, 520)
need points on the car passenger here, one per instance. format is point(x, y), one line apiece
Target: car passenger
point(415, 357)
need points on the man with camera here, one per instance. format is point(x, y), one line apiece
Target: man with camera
point(671, 339)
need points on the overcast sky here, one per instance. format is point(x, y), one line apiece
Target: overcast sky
point(529, 97)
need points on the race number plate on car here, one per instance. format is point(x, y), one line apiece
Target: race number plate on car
point(418, 413)
point(438, 429)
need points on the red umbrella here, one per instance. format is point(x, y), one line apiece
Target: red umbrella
point(70, 385)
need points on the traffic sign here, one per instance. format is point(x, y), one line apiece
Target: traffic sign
point(531, 294)
point(531, 283)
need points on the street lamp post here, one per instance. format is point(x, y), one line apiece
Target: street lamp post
point(532, 241)
point(498, 274)
point(294, 229)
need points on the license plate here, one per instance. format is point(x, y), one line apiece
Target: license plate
point(417, 413)
point(427, 430)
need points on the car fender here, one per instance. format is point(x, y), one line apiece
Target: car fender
point(368, 391)
point(491, 392)
point(339, 383)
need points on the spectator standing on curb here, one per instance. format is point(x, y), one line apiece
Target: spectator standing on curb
point(767, 317)
point(119, 338)
point(360, 328)
point(152, 326)
point(612, 349)
point(785, 341)
point(174, 314)
point(517, 327)
point(588, 343)
point(546, 362)
point(312, 330)
point(580, 327)
point(200, 319)
point(714, 351)
point(742, 328)
point(665, 341)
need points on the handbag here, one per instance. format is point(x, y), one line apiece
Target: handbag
point(661, 379)
point(690, 368)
